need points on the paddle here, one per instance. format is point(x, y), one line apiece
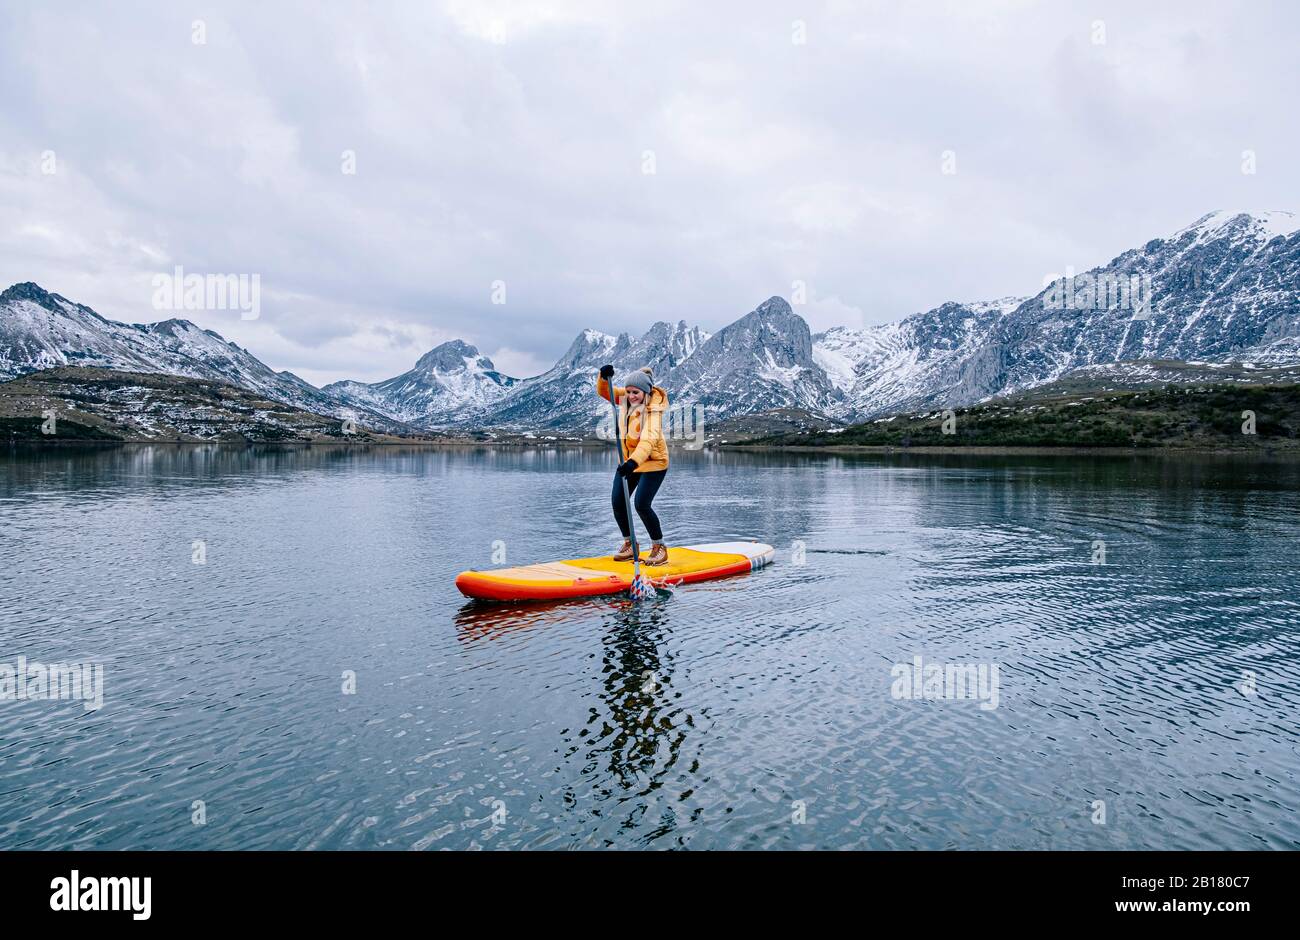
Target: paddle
point(641, 588)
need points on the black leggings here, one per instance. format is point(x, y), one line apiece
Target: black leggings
point(642, 487)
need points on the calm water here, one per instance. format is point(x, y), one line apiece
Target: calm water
point(715, 718)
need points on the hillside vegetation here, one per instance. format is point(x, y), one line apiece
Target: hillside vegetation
point(1172, 416)
point(91, 404)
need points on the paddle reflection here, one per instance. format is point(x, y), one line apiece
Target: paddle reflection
point(632, 743)
point(629, 749)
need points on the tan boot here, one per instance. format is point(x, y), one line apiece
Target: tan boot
point(658, 554)
point(624, 553)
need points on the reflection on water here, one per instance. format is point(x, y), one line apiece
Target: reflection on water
point(1127, 602)
point(635, 727)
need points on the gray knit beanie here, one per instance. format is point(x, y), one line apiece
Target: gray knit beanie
point(638, 379)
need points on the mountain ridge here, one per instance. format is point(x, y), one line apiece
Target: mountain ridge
point(1220, 289)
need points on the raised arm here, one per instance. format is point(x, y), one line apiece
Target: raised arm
point(603, 385)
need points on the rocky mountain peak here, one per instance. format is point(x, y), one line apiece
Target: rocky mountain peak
point(27, 290)
point(1259, 224)
point(775, 327)
point(591, 344)
point(774, 306)
point(452, 356)
point(174, 327)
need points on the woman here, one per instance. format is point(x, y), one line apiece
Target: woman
point(645, 455)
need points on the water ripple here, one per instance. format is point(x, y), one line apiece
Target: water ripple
point(316, 683)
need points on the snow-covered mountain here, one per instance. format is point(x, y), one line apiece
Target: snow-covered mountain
point(1225, 289)
point(40, 330)
point(563, 397)
point(448, 383)
point(761, 362)
point(898, 366)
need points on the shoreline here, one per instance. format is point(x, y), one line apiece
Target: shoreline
point(1014, 450)
point(457, 444)
point(987, 450)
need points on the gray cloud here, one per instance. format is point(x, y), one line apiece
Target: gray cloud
point(505, 141)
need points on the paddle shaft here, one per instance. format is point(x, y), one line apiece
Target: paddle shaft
point(627, 496)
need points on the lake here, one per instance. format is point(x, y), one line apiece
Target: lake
point(286, 663)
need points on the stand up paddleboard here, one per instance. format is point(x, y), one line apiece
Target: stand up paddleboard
point(588, 577)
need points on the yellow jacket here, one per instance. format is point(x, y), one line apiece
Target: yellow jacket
point(643, 434)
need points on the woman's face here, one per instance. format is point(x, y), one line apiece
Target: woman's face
point(635, 396)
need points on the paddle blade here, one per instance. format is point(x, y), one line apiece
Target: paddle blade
point(642, 589)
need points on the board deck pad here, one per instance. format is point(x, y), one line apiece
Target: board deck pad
point(588, 577)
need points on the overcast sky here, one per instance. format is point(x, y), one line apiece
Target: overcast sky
point(508, 142)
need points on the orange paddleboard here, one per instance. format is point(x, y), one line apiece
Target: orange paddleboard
point(588, 577)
